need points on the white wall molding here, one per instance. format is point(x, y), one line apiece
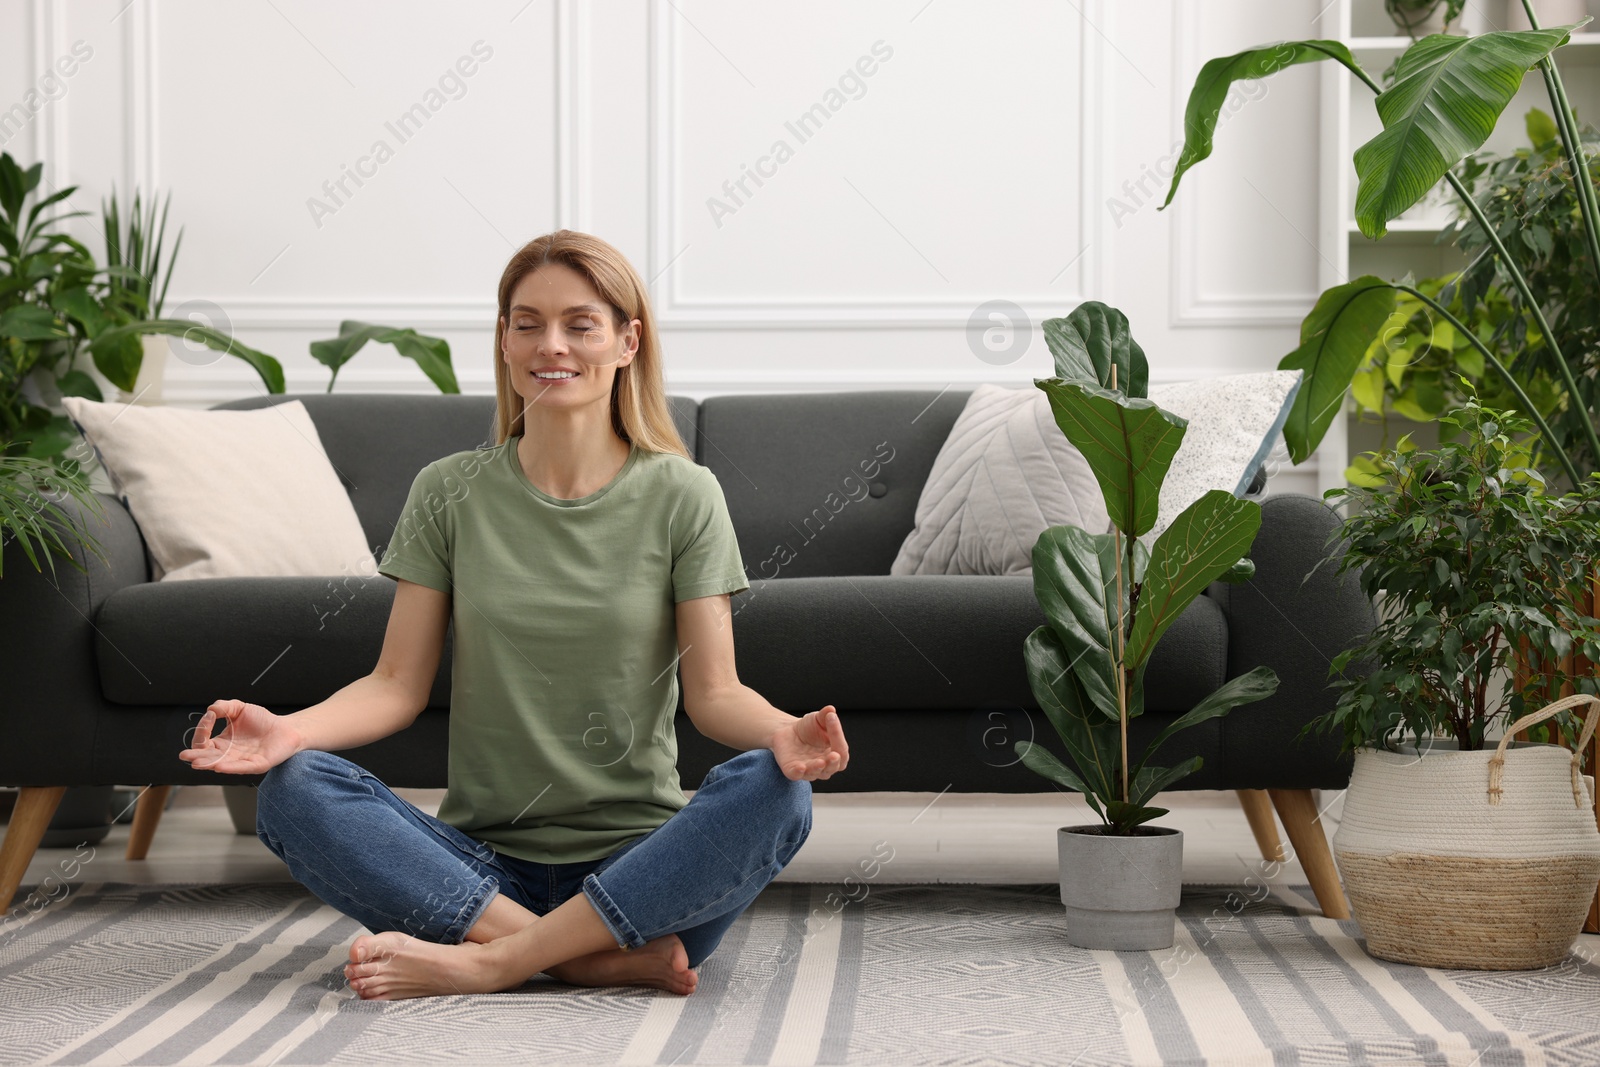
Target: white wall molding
point(677, 311)
point(1190, 304)
point(140, 102)
point(50, 122)
point(573, 114)
point(570, 41)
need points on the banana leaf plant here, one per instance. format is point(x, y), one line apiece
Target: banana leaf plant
point(1108, 596)
point(1447, 94)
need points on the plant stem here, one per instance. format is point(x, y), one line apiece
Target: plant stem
point(1122, 675)
point(1516, 386)
point(1122, 642)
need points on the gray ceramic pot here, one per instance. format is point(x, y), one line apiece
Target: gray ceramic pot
point(1120, 892)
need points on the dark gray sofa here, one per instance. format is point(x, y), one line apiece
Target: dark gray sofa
point(104, 672)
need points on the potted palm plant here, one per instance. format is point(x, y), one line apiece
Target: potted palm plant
point(137, 281)
point(1456, 852)
point(1108, 598)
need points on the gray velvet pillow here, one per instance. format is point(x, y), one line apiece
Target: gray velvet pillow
point(1005, 473)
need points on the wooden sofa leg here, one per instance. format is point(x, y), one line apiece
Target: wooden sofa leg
point(146, 817)
point(1258, 810)
point(36, 806)
point(1298, 811)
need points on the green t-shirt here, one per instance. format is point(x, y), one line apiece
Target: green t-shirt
point(564, 679)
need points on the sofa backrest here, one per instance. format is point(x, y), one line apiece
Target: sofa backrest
point(377, 442)
point(816, 483)
point(824, 483)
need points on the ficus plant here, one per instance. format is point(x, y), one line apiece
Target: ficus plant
point(1109, 596)
point(1472, 556)
point(1414, 367)
point(1447, 94)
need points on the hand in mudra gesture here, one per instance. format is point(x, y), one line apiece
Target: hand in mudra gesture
point(256, 740)
point(813, 746)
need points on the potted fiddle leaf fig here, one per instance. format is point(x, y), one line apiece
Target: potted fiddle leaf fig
point(1108, 597)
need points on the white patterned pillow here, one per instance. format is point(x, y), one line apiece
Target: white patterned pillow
point(1233, 423)
point(1004, 474)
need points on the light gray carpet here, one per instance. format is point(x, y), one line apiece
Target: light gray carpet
point(948, 974)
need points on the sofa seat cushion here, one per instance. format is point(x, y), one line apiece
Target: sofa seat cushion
point(279, 642)
point(933, 641)
point(861, 642)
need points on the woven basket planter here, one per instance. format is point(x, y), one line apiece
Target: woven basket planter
point(1483, 860)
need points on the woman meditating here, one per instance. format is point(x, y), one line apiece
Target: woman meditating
point(586, 560)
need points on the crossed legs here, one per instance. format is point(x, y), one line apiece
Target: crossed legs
point(369, 853)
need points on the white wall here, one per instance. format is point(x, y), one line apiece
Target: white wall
point(994, 152)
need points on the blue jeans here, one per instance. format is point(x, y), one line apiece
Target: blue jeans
point(388, 865)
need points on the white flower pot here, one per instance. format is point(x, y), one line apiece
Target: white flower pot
point(152, 370)
point(1485, 860)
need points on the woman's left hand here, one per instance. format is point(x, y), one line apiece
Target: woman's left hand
point(811, 747)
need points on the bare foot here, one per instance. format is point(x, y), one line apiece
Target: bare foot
point(394, 965)
point(662, 964)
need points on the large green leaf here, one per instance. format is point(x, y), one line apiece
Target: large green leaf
point(1217, 77)
point(1447, 95)
point(110, 346)
point(1075, 583)
point(1152, 780)
point(1202, 543)
point(432, 354)
point(1124, 816)
point(1334, 340)
point(82, 305)
point(1043, 762)
point(1092, 739)
point(77, 383)
point(1258, 684)
point(30, 322)
point(1129, 443)
point(1090, 341)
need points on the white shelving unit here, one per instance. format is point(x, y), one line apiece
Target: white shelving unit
point(1349, 120)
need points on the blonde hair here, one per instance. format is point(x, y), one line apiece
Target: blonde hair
point(639, 412)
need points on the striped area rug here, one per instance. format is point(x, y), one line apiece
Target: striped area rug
point(903, 974)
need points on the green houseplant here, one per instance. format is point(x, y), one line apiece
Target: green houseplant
point(1108, 598)
point(1413, 370)
point(1468, 551)
point(1441, 834)
point(56, 304)
point(138, 278)
point(136, 287)
point(1431, 16)
point(1445, 98)
point(1447, 95)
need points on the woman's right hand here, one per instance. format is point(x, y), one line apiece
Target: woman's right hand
point(256, 740)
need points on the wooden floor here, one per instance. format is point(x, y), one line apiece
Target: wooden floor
point(952, 837)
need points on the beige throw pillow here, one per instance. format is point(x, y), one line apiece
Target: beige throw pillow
point(1005, 473)
point(228, 494)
